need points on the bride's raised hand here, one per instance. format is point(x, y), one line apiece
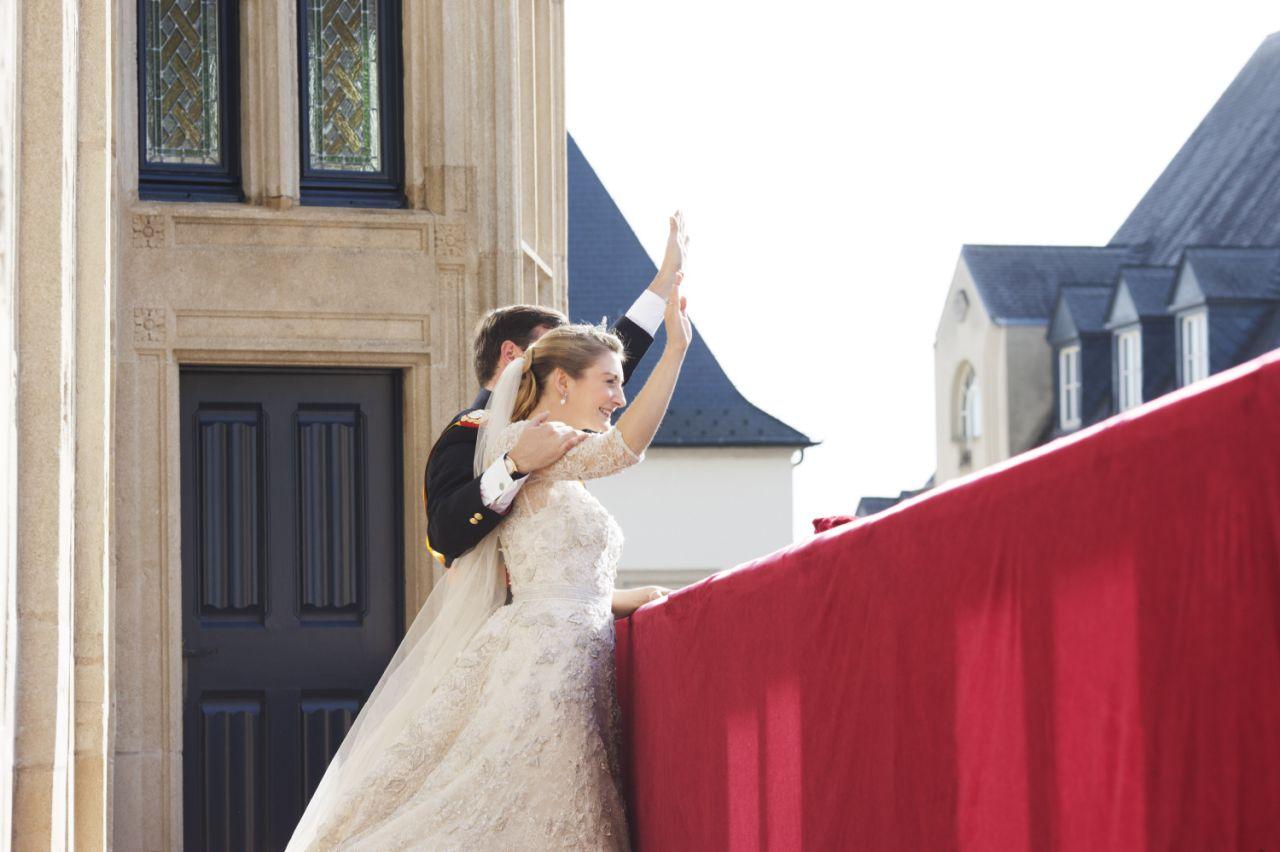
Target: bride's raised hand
point(674, 257)
point(676, 319)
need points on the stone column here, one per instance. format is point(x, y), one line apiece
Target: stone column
point(56, 286)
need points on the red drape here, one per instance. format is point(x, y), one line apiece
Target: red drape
point(1078, 649)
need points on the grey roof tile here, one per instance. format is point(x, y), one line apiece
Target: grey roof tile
point(1149, 287)
point(1223, 186)
point(1020, 283)
point(1235, 273)
point(607, 269)
point(872, 505)
point(1267, 338)
point(1087, 304)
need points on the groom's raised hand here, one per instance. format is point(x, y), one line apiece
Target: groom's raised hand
point(543, 443)
point(674, 257)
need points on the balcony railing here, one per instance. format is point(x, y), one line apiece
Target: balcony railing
point(1078, 648)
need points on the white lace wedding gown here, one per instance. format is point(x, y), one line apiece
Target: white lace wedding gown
point(517, 748)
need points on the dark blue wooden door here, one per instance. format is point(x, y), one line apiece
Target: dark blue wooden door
point(292, 584)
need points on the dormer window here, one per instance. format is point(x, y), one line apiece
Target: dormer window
point(1193, 345)
point(1129, 369)
point(970, 407)
point(1069, 387)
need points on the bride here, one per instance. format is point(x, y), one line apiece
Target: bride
point(496, 727)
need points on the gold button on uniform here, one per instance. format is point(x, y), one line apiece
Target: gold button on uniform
point(473, 521)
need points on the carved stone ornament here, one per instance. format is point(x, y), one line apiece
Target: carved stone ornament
point(451, 240)
point(148, 325)
point(148, 230)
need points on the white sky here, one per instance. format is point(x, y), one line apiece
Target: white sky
point(832, 158)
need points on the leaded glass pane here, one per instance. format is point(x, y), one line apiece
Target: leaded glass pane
point(181, 63)
point(342, 60)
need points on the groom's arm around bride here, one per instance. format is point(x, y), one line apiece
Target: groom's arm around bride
point(463, 508)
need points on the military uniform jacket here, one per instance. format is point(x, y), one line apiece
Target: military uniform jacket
point(457, 518)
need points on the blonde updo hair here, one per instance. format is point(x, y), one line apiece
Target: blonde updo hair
point(572, 348)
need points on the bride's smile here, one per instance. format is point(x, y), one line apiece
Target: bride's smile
point(589, 401)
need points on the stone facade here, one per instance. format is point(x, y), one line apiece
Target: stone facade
point(104, 297)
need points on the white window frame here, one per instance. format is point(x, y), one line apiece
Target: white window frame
point(1129, 368)
point(1069, 387)
point(970, 406)
point(1193, 346)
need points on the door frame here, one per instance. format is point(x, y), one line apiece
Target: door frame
point(416, 417)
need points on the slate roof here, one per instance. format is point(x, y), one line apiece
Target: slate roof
point(1235, 273)
point(872, 505)
point(1087, 304)
point(1223, 186)
point(608, 267)
point(1018, 284)
point(1267, 338)
point(1149, 287)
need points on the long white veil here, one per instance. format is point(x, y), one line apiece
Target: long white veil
point(461, 600)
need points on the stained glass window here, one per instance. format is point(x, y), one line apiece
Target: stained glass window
point(182, 81)
point(350, 90)
point(187, 93)
point(342, 52)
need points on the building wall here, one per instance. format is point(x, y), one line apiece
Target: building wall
point(1029, 399)
point(56, 267)
point(689, 512)
point(106, 297)
point(974, 340)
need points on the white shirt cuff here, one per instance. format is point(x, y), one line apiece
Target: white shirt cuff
point(497, 488)
point(648, 311)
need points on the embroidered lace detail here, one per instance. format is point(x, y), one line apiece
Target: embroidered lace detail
point(519, 746)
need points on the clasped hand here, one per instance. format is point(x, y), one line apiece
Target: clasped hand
point(627, 601)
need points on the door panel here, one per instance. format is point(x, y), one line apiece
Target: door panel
point(292, 583)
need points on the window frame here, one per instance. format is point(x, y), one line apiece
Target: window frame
point(1193, 359)
point(1069, 392)
point(335, 188)
point(192, 181)
point(970, 406)
point(1128, 370)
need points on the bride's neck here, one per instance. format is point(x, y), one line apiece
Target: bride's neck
point(555, 411)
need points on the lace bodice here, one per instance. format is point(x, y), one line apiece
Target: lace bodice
point(557, 531)
point(518, 747)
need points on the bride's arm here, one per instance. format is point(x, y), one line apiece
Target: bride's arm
point(606, 453)
point(639, 422)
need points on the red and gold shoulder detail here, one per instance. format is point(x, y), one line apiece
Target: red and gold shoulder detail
point(473, 419)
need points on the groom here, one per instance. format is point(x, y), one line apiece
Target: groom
point(463, 508)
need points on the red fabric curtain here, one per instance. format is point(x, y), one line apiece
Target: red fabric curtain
point(1078, 649)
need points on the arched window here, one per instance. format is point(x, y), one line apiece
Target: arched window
point(969, 401)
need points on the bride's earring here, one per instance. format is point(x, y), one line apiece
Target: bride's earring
point(564, 399)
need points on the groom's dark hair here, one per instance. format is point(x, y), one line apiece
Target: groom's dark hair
point(515, 323)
